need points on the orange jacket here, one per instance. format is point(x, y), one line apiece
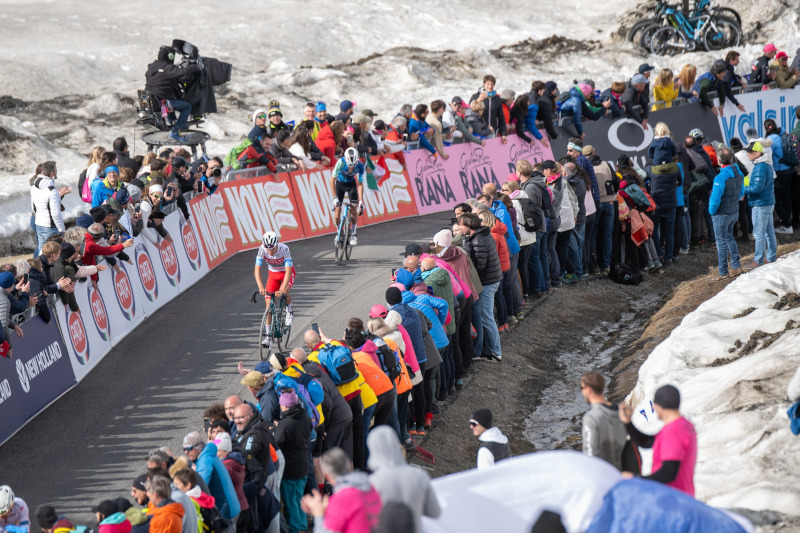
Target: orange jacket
point(378, 381)
point(166, 519)
point(403, 381)
point(498, 233)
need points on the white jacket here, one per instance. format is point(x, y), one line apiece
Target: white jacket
point(297, 150)
point(526, 237)
point(46, 203)
point(569, 208)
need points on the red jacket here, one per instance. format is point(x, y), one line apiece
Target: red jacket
point(326, 142)
point(93, 249)
point(498, 233)
point(236, 469)
point(254, 157)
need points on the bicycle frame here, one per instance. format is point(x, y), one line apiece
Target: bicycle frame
point(345, 216)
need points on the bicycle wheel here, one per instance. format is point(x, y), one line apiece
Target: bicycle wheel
point(338, 249)
point(647, 35)
point(668, 41)
point(636, 29)
point(279, 328)
point(263, 351)
point(721, 33)
point(732, 14)
point(348, 248)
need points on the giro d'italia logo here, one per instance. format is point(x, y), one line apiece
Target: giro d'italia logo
point(169, 260)
point(124, 292)
point(77, 335)
point(98, 312)
point(146, 273)
point(190, 244)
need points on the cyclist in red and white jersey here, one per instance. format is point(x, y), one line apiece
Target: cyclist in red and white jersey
point(281, 272)
point(14, 514)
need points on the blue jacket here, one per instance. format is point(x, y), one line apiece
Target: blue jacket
point(761, 191)
point(414, 328)
point(587, 166)
point(574, 104)
point(256, 133)
point(726, 191)
point(268, 404)
point(499, 210)
point(661, 151)
point(663, 182)
point(420, 126)
point(213, 472)
point(530, 121)
point(104, 191)
point(777, 152)
point(428, 305)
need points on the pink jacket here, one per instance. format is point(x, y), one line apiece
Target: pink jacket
point(355, 505)
point(394, 319)
point(458, 285)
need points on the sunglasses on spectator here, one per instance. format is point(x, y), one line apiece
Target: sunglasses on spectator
point(157, 196)
point(473, 424)
point(261, 115)
point(187, 449)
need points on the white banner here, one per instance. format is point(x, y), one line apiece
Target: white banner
point(123, 296)
point(777, 104)
point(87, 332)
point(192, 264)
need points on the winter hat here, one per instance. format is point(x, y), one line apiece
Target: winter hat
point(134, 192)
point(264, 367)
point(347, 105)
point(111, 168)
point(123, 504)
point(443, 238)
point(253, 379)
point(106, 508)
point(512, 177)
point(223, 442)
point(84, 221)
point(67, 251)
point(320, 107)
point(585, 88)
point(769, 48)
point(278, 361)
point(257, 112)
point(288, 398)
point(550, 86)
point(668, 397)
point(639, 78)
point(122, 196)
point(274, 108)
point(393, 296)
point(64, 525)
point(404, 277)
point(378, 311)
point(482, 417)
point(736, 144)
point(46, 516)
point(139, 481)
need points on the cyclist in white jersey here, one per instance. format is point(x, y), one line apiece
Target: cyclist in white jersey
point(14, 513)
point(281, 272)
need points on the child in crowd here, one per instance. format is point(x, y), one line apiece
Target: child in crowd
point(662, 149)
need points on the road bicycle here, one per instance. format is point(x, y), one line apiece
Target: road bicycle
point(279, 332)
point(342, 247)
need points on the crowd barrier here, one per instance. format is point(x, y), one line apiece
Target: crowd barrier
point(52, 358)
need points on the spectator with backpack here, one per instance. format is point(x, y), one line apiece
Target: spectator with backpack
point(787, 183)
point(538, 265)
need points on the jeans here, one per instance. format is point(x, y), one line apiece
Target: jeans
point(726, 243)
point(486, 304)
point(539, 264)
point(764, 234)
point(575, 253)
point(605, 231)
point(683, 230)
point(42, 234)
point(664, 224)
point(185, 109)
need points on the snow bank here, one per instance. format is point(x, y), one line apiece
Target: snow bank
point(732, 359)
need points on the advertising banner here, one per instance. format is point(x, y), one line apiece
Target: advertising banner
point(37, 374)
point(210, 219)
point(191, 258)
point(146, 277)
point(440, 184)
point(123, 297)
point(616, 136)
point(164, 260)
point(777, 104)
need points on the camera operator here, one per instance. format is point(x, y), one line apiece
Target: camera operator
point(211, 177)
point(162, 77)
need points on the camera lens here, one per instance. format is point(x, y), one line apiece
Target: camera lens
point(217, 173)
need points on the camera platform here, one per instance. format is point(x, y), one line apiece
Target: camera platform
point(194, 138)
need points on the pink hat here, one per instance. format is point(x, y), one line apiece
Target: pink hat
point(769, 48)
point(378, 311)
point(399, 286)
point(781, 55)
point(585, 88)
point(512, 177)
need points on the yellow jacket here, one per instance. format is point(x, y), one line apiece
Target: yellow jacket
point(667, 94)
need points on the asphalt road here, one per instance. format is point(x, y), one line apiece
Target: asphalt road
point(151, 389)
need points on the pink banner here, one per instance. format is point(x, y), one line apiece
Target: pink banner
point(440, 184)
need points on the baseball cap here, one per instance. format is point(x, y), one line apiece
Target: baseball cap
point(457, 100)
point(412, 248)
point(342, 117)
point(253, 379)
point(769, 47)
point(644, 67)
point(781, 55)
point(369, 112)
point(105, 508)
point(361, 117)
point(347, 105)
point(549, 164)
point(754, 146)
point(264, 367)
point(588, 150)
point(378, 311)
point(638, 78)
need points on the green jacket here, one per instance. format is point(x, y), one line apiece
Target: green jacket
point(438, 279)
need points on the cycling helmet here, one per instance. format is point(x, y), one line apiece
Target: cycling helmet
point(6, 499)
point(351, 157)
point(270, 239)
point(696, 134)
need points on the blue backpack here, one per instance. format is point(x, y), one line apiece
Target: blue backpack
point(282, 381)
point(338, 361)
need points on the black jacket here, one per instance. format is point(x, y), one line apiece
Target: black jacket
point(545, 113)
point(292, 436)
point(254, 443)
point(483, 251)
point(365, 144)
point(631, 97)
point(519, 126)
point(760, 71)
point(162, 76)
point(123, 160)
point(334, 406)
point(493, 112)
point(283, 155)
point(731, 80)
